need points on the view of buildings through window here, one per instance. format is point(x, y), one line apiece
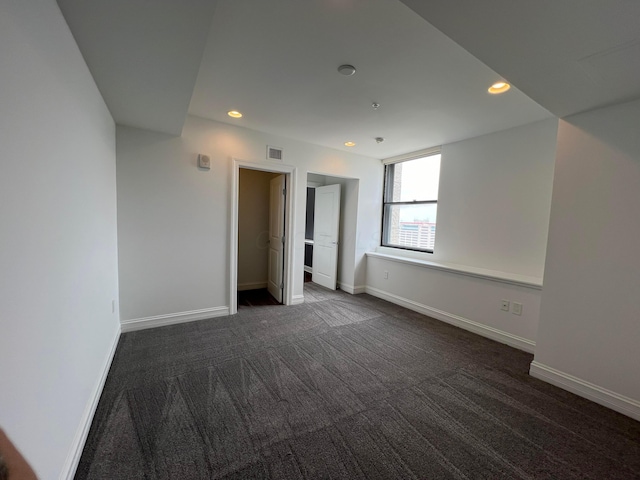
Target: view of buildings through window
point(410, 209)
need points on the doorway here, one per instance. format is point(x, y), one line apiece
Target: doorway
point(260, 247)
point(260, 234)
point(329, 250)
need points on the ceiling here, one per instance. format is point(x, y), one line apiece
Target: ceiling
point(276, 61)
point(143, 54)
point(568, 55)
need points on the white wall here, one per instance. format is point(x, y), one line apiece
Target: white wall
point(347, 260)
point(167, 208)
point(253, 228)
point(495, 197)
point(590, 316)
point(469, 302)
point(58, 247)
point(493, 214)
point(314, 180)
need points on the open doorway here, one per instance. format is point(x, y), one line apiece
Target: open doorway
point(331, 210)
point(260, 246)
point(260, 233)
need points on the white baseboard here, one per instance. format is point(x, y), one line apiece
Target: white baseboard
point(345, 287)
point(308, 269)
point(73, 459)
point(625, 405)
point(173, 318)
point(475, 327)
point(251, 286)
point(297, 299)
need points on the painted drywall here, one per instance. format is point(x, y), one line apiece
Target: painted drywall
point(163, 40)
point(173, 218)
point(346, 237)
point(253, 228)
point(460, 299)
point(589, 322)
point(58, 255)
point(493, 214)
point(315, 180)
point(495, 198)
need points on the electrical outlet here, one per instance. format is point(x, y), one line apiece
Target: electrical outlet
point(516, 308)
point(386, 275)
point(504, 305)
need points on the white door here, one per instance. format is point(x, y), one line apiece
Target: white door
point(325, 236)
point(276, 237)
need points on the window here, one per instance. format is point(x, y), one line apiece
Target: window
point(411, 203)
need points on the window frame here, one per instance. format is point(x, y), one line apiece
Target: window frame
point(387, 195)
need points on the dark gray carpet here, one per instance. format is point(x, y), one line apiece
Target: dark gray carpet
point(342, 387)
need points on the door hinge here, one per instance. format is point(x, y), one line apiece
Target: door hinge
point(284, 191)
point(281, 285)
point(283, 240)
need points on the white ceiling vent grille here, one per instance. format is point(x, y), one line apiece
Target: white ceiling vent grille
point(274, 153)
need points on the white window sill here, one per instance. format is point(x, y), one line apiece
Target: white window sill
point(494, 275)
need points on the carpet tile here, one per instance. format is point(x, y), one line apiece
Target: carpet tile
point(341, 387)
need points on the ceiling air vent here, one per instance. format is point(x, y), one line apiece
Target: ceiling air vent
point(274, 153)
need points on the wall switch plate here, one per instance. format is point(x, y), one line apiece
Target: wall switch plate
point(386, 275)
point(517, 308)
point(504, 305)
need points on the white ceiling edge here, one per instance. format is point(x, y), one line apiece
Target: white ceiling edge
point(143, 57)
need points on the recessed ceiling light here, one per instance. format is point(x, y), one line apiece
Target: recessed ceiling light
point(499, 87)
point(234, 114)
point(347, 70)
point(349, 144)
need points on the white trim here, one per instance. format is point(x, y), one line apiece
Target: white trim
point(625, 405)
point(251, 286)
point(308, 269)
point(426, 152)
point(80, 438)
point(290, 208)
point(475, 327)
point(494, 275)
point(353, 290)
point(173, 318)
point(297, 299)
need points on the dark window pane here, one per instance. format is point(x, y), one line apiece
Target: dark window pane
point(311, 202)
point(308, 255)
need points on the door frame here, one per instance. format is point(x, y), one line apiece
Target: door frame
point(289, 222)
